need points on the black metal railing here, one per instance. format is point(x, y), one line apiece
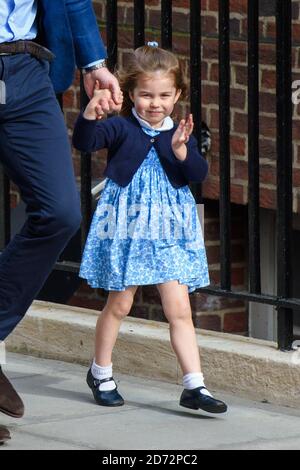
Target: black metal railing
point(253, 150)
point(282, 301)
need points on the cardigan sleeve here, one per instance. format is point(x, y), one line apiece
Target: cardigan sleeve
point(92, 135)
point(194, 167)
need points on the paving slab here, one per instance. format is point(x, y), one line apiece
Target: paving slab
point(62, 415)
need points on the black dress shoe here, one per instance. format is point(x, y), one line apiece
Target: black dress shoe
point(104, 398)
point(195, 399)
point(10, 402)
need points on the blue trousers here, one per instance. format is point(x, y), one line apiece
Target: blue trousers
point(36, 154)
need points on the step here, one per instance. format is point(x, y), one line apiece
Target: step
point(249, 367)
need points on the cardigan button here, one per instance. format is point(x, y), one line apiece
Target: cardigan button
point(152, 140)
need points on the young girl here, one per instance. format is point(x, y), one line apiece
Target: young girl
point(145, 229)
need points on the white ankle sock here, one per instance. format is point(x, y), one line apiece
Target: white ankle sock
point(194, 380)
point(101, 373)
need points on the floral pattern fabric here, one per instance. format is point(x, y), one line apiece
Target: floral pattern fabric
point(145, 233)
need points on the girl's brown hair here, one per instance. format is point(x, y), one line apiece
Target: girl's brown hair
point(144, 61)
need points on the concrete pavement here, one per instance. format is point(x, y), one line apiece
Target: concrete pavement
point(247, 367)
point(61, 414)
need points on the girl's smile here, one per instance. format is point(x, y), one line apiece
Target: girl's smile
point(154, 97)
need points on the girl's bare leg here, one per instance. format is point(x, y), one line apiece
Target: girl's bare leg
point(117, 307)
point(177, 308)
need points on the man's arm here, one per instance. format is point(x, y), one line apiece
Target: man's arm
point(89, 48)
point(87, 41)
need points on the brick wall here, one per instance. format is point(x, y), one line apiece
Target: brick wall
point(213, 312)
point(238, 51)
point(14, 196)
point(267, 83)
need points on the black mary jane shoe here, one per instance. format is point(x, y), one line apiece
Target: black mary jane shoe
point(104, 398)
point(195, 399)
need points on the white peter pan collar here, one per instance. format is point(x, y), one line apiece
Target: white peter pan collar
point(167, 124)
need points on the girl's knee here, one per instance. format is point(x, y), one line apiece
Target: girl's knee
point(180, 314)
point(121, 309)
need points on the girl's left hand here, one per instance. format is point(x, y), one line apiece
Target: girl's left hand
point(106, 80)
point(182, 133)
point(101, 103)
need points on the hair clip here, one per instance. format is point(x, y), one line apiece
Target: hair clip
point(152, 44)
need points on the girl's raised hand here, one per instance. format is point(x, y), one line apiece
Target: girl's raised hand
point(183, 132)
point(102, 99)
point(101, 102)
point(181, 137)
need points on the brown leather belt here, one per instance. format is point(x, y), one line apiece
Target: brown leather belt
point(26, 47)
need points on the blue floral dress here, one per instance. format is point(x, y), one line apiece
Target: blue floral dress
point(145, 233)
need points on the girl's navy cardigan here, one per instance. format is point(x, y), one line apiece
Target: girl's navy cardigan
point(128, 145)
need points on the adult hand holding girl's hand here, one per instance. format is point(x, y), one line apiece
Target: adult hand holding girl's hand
point(106, 81)
point(101, 103)
point(181, 137)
